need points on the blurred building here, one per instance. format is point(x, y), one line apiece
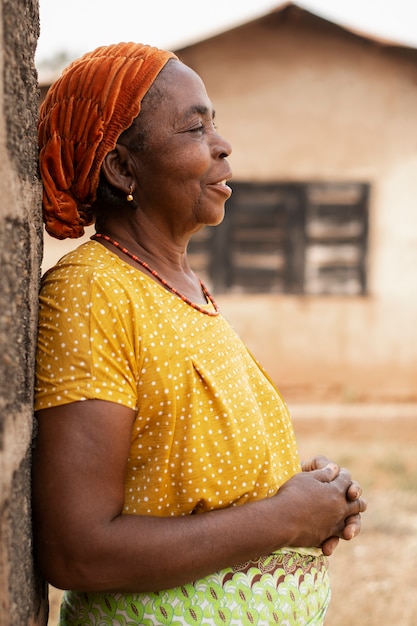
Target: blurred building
point(316, 261)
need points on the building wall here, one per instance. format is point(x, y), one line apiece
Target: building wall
point(303, 100)
point(22, 592)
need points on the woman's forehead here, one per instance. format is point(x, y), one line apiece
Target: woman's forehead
point(182, 89)
point(174, 73)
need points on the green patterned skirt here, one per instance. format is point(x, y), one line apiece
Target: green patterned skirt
point(288, 588)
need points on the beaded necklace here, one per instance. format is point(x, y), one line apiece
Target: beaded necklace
point(163, 282)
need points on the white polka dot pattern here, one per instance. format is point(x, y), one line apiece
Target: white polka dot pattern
point(211, 429)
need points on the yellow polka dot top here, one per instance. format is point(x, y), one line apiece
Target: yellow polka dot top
point(211, 430)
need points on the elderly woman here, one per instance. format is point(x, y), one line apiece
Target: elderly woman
point(167, 483)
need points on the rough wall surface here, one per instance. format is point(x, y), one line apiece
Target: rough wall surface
point(22, 592)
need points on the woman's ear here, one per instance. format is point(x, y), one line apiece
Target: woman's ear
point(116, 167)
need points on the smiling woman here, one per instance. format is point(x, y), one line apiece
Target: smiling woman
point(180, 155)
point(167, 485)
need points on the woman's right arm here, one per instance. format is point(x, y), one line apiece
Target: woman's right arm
point(83, 541)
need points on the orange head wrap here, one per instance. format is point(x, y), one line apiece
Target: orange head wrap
point(85, 111)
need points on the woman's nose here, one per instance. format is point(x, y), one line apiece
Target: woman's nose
point(222, 147)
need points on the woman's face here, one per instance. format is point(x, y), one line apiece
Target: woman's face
point(181, 173)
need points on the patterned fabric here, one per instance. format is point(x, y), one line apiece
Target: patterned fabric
point(286, 588)
point(211, 429)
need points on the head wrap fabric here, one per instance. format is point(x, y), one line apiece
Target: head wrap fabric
point(85, 111)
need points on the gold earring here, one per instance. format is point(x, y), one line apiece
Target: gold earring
point(129, 196)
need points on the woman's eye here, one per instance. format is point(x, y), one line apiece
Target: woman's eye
point(203, 127)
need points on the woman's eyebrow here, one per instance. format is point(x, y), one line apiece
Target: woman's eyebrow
point(201, 109)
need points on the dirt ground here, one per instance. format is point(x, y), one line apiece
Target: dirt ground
point(374, 577)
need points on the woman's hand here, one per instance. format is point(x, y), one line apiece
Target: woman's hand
point(84, 542)
point(353, 492)
point(321, 505)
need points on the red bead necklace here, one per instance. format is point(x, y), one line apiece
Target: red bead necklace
point(163, 282)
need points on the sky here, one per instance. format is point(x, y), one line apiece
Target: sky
point(77, 26)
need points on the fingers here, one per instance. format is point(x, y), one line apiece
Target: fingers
point(353, 522)
point(317, 462)
point(328, 473)
point(352, 527)
point(350, 523)
point(353, 488)
point(359, 506)
point(320, 462)
point(329, 546)
point(332, 472)
point(354, 491)
point(356, 503)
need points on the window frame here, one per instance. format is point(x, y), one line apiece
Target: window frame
point(290, 238)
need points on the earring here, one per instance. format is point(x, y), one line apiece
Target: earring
point(129, 196)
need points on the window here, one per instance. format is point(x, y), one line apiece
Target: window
point(287, 238)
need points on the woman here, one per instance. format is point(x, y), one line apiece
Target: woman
point(167, 483)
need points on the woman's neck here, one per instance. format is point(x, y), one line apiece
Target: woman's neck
point(163, 256)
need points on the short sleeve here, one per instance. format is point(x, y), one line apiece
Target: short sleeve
point(87, 345)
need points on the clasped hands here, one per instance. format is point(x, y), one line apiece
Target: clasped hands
point(353, 495)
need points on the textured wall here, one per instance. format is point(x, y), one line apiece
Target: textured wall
point(22, 592)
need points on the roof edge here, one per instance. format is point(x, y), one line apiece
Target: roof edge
point(383, 41)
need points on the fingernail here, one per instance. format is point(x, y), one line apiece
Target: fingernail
point(332, 466)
